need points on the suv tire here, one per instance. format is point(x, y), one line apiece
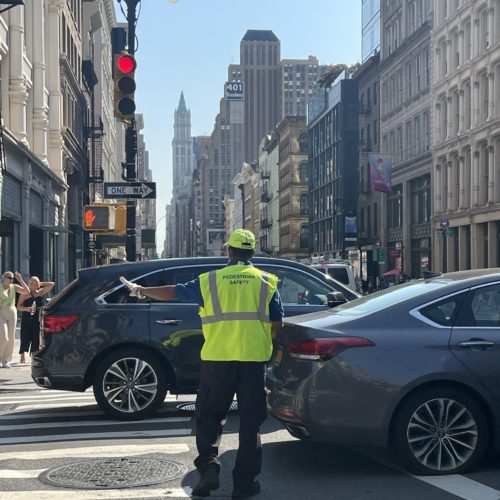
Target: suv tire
point(129, 384)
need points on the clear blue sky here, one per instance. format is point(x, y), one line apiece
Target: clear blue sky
point(189, 44)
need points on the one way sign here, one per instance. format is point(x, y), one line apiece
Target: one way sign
point(130, 190)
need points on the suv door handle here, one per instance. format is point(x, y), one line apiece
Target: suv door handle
point(477, 343)
point(169, 321)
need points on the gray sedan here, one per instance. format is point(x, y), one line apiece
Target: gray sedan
point(415, 367)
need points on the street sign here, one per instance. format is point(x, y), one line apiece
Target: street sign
point(444, 223)
point(378, 243)
point(130, 190)
point(91, 245)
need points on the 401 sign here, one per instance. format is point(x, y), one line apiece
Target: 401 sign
point(234, 91)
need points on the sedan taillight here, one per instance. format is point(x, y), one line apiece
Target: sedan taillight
point(57, 324)
point(323, 349)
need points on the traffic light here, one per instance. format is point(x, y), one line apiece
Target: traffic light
point(99, 218)
point(123, 77)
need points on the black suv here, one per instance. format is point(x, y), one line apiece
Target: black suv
point(132, 351)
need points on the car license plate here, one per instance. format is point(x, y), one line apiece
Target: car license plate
point(279, 357)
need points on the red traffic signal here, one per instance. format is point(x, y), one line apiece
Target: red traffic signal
point(124, 69)
point(126, 64)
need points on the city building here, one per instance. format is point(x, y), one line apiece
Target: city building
point(298, 78)
point(260, 67)
point(406, 62)
point(293, 186)
point(182, 166)
point(33, 224)
point(146, 209)
point(333, 172)
point(370, 28)
point(269, 189)
point(104, 133)
point(466, 100)
point(369, 200)
point(201, 147)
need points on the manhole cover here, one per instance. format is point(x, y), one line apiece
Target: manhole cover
point(192, 406)
point(113, 473)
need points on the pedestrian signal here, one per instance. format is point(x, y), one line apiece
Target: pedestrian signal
point(99, 218)
point(124, 82)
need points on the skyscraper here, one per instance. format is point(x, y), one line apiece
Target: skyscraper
point(182, 149)
point(260, 56)
point(183, 165)
point(370, 28)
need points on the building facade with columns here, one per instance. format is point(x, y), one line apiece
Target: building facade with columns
point(466, 173)
point(33, 191)
point(406, 133)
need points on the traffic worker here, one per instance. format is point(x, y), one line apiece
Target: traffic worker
point(240, 310)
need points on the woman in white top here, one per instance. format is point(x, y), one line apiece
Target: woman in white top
point(8, 314)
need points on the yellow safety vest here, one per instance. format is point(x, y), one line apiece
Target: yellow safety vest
point(235, 317)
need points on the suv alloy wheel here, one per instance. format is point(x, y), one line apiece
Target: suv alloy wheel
point(129, 384)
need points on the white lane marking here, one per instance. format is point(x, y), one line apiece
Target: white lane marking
point(92, 423)
point(94, 435)
point(20, 474)
point(70, 404)
point(93, 451)
point(45, 400)
point(52, 395)
point(63, 394)
point(48, 414)
point(136, 493)
point(461, 486)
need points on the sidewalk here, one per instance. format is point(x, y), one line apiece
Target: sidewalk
point(17, 378)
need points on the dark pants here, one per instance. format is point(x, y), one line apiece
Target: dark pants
point(220, 380)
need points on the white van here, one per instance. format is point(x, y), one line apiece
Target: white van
point(340, 271)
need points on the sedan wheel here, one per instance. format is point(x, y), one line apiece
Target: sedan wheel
point(440, 432)
point(129, 386)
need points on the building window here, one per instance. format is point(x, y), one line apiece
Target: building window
point(395, 207)
point(303, 173)
point(421, 200)
point(304, 236)
point(408, 80)
point(303, 204)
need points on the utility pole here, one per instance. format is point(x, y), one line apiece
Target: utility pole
point(131, 143)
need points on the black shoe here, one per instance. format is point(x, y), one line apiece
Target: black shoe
point(209, 481)
point(250, 491)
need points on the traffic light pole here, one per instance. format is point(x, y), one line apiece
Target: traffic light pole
point(131, 143)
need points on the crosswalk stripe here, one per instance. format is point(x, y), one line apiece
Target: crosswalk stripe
point(93, 423)
point(95, 435)
point(135, 493)
point(54, 393)
point(94, 451)
point(39, 407)
point(46, 400)
point(20, 474)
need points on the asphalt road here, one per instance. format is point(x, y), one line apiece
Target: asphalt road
point(41, 429)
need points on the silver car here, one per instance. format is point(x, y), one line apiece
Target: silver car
point(415, 367)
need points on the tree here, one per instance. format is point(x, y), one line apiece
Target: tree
point(332, 71)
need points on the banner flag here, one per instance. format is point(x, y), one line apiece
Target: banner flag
point(380, 171)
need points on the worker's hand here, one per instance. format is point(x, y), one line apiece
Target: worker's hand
point(135, 290)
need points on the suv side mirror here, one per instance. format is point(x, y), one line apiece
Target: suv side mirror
point(336, 299)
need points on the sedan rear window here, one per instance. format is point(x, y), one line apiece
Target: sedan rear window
point(388, 297)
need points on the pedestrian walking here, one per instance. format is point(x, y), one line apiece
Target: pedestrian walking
point(8, 314)
point(240, 310)
point(29, 304)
